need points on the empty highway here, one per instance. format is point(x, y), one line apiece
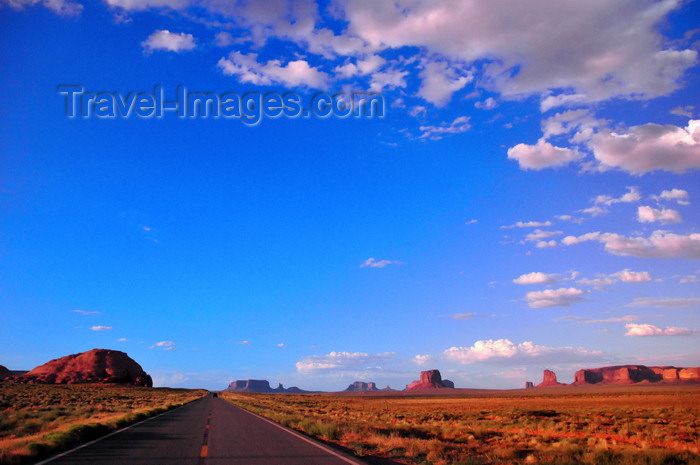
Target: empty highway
point(206, 431)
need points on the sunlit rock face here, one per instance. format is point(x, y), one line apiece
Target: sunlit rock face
point(430, 379)
point(93, 366)
point(633, 374)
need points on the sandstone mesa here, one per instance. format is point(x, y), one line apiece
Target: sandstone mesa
point(94, 366)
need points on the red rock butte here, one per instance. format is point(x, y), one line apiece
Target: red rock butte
point(632, 374)
point(94, 366)
point(430, 379)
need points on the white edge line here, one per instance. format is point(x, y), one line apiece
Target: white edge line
point(325, 448)
point(121, 430)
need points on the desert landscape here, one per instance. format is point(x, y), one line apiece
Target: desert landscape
point(629, 414)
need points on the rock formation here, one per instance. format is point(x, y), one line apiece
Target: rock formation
point(632, 374)
point(93, 366)
point(261, 386)
point(430, 379)
point(4, 372)
point(529, 385)
point(549, 378)
point(360, 386)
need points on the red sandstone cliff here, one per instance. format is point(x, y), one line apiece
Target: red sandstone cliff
point(93, 366)
point(430, 379)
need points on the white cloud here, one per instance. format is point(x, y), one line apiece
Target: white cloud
point(139, 5)
point(281, 344)
point(85, 312)
point(342, 361)
point(122, 339)
point(439, 82)
point(64, 8)
point(665, 302)
point(632, 195)
point(101, 328)
point(584, 321)
point(641, 330)
point(528, 224)
point(686, 111)
point(690, 279)
point(646, 214)
point(488, 104)
point(536, 277)
point(627, 276)
point(244, 343)
point(373, 263)
point(423, 360)
point(619, 52)
point(504, 349)
point(472, 221)
point(296, 73)
point(538, 235)
point(562, 297)
point(650, 147)
point(661, 244)
point(391, 79)
point(542, 155)
point(680, 196)
point(169, 41)
point(224, 39)
point(458, 125)
point(165, 345)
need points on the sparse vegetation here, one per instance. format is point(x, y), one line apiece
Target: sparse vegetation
point(596, 427)
point(38, 419)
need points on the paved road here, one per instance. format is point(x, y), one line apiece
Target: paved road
point(206, 431)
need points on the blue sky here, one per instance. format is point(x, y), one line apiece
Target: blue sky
point(528, 199)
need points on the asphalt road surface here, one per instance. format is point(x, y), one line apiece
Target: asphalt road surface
point(206, 431)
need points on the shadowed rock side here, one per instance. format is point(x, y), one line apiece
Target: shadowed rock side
point(4, 372)
point(632, 374)
point(261, 386)
point(549, 378)
point(430, 379)
point(93, 366)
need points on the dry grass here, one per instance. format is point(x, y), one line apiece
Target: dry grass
point(37, 419)
point(636, 425)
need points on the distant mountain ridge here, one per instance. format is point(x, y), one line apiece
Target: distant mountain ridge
point(626, 375)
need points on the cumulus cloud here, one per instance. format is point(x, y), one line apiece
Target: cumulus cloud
point(542, 155)
point(423, 360)
point(458, 125)
point(661, 244)
point(295, 73)
point(343, 361)
point(101, 328)
point(680, 196)
point(650, 147)
point(373, 263)
point(646, 214)
point(641, 330)
point(664, 302)
point(439, 82)
point(504, 349)
point(536, 277)
point(618, 49)
point(562, 297)
point(168, 41)
point(627, 276)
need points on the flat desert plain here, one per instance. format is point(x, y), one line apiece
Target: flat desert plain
point(557, 425)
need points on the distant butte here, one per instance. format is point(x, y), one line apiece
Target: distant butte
point(261, 386)
point(627, 375)
point(93, 366)
point(430, 379)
